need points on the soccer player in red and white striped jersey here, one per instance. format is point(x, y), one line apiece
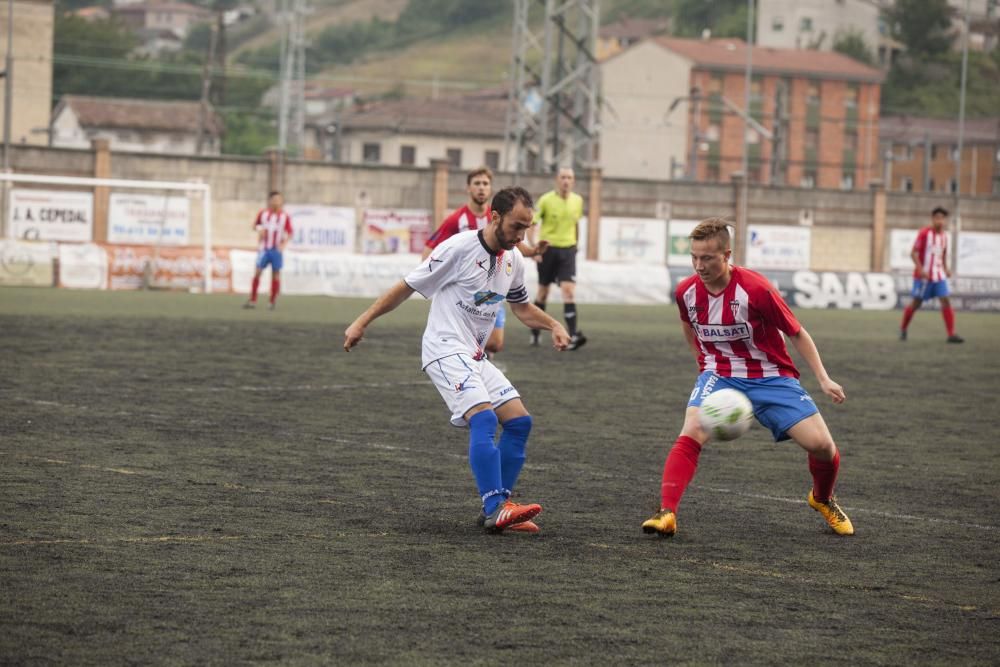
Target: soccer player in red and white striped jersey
point(931, 273)
point(274, 230)
point(733, 319)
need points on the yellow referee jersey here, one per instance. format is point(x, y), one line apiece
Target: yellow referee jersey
point(557, 218)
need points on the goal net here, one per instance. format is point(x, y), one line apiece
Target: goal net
point(158, 234)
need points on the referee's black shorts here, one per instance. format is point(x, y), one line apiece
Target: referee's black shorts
point(557, 265)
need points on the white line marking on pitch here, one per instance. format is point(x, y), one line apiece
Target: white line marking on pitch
point(309, 387)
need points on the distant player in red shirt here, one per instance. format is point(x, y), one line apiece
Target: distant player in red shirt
point(733, 319)
point(931, 273)
point(274, 231)
point(472, 216)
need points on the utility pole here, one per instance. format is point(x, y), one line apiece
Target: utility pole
point(961, 138)
point(206, 90)
point(8, 85)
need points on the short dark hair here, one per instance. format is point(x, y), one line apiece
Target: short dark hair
point(505, 200)
point(479, 171)
point(272, 193)
point(712, 228)
point(940, 209)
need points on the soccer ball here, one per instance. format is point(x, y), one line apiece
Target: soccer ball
point(726, 414)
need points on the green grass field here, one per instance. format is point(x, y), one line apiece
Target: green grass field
point(187, 482)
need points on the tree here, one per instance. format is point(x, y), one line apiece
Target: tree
point(922, 25)
point(852, 44)
point(725, 18)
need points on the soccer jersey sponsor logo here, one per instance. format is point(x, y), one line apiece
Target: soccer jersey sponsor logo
point(721, 333)
point(487, 297)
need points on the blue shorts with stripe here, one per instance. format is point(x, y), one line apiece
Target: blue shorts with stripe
point(779, 403)
point(501, 317)
point(272, 257)
point(929, 289)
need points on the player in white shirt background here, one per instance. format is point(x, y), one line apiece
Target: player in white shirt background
point(467, 278)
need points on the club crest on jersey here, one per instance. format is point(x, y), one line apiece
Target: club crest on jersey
point(487, 297)
point(510, 267)
point(734, 308)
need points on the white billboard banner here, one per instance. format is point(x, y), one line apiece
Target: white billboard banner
point(977, 254)
point(147, 219)
point(635, 240)
point(901, 245)
point(779, 247)
point(337, 274)
point(679, 252)
point(51, 215)
point(83, 266)
point(324, 228)
point(400, 230)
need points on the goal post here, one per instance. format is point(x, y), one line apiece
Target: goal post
point(129, 186)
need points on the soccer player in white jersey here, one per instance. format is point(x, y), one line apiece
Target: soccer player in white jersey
point(473, 215)
point(733, 319)
point(274, 231)
point(467, 278)
point(931, 273)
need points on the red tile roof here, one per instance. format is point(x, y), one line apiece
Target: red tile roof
point(124, 113)
point(447, 116)
point(907, 129)
point(731, 55)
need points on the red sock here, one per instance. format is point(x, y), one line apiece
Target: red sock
point(678, 471)
point(275, 288)
point(907, 316)
point(949, 319)
point(824, 476)
point(254, 286)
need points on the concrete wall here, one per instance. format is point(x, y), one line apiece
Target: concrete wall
point(32, 77)
point(637, 138)
point(845, 224)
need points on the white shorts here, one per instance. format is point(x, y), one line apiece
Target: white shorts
point(465, 383)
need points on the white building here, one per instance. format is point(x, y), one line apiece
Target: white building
point(816, 24)
point(468, 132)
point(142, 126)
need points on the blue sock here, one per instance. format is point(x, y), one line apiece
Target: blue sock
point(484, 459)
point(513, 442)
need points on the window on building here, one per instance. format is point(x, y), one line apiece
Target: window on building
point(812, 92)
point(851, 96)
point(931, 185)
point(851, 140)
point(715, 84)
point(906, 184)
point(847, 180)
point(952, 186)
point(805, 24)
point(954, 153)
point(934, 151)
point(408, 155)
point(903, 152)
point(809, 179)
point(492, 160)
point(812, 138)
point(712, 174)
point(371, 153)
point(454, 156)
point(712, 132)
point(777, 23)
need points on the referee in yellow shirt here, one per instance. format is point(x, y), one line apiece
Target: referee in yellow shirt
point(558, 214)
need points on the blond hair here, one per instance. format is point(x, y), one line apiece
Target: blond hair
point(712, 228)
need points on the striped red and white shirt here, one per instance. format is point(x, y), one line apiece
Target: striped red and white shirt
point(276, 225)
point(739, 331)
point(931, 247)
point(461, 220)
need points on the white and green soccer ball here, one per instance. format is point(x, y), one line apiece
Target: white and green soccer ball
point(726, 414)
